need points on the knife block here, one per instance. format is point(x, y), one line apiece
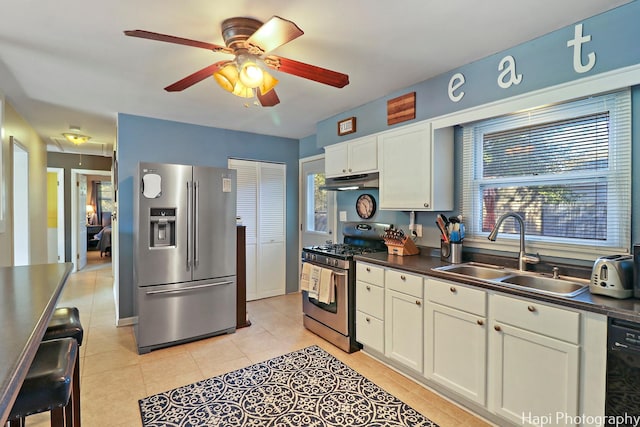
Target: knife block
point(402, 247)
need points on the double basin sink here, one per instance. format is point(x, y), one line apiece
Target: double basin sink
point(534, 282)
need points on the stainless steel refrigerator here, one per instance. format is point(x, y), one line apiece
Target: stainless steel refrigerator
point(185, 253)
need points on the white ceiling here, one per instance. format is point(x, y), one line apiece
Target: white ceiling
point(67, 62)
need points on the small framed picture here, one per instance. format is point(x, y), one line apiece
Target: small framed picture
point(347, 126)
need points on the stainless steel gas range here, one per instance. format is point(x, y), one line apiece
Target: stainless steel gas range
point(335, 321)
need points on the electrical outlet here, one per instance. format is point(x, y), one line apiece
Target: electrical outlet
point(343, 216)
point(416, 230)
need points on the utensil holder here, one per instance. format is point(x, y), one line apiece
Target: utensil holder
point(451, 252)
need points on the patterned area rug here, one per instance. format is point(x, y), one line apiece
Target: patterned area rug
point(308, 387)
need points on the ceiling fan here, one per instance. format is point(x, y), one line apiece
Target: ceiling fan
point(250, 41)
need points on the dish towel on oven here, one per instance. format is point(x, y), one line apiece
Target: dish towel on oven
point(304, 276)
point(326, 289)
point(314, 281)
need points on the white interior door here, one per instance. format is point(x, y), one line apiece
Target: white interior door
point(20, 204)
point(261, 208)
point(271, 261)
point(81, 207)
point(316, 206)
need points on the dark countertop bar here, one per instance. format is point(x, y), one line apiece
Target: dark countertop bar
point(28, 297)
point(627, 309)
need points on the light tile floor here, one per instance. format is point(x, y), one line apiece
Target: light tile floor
point(114, 376)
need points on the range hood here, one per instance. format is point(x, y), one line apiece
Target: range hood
point(351, 182)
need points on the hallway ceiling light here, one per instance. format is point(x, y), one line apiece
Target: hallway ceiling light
point(74, 136)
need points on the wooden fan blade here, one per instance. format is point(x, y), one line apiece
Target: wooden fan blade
point(274, 33)
point(177, 40)
point(196, 77)
point(269, 99)
point(311, 72)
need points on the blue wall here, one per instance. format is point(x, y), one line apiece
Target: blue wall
point(543, 62)
point(153, 140)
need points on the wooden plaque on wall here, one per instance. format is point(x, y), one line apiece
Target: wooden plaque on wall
point(401, 109)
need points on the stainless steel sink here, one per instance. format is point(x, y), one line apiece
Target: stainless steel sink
point(534, 282)
point(548, 285)
point(475, 270)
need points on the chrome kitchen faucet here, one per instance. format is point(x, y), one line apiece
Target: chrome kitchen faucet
point(523, 257)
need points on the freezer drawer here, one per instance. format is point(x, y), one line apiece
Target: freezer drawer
point(170, 314)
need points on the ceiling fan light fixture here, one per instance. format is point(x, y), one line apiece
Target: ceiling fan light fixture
point(242, 91)
point(75, 137)
point(250, 74)
point(227, 77)
point(268, 83)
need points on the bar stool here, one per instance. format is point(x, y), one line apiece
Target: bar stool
point(48, 384)
point(65, 323)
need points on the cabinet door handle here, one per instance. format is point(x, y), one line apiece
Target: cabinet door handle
point(497, 328)
point(531, 308)
point(453, 289)
point(344, 170)
point(426, 205)
point(368, 269)
point(368, 287)
point(367, 319)
point(480, 322)
point(403, 277)
point(418, 303)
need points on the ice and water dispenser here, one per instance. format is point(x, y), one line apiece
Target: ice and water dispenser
point(162, 227)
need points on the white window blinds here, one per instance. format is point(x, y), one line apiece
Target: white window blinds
point(566, 169)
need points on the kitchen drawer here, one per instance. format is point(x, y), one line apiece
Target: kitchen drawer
point(536, 317)
point(370, 299)
point(370, 331)
point(456, 296)
point(370, 274)
point(406, 283)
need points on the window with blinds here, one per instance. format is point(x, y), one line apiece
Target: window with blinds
point(566, 169)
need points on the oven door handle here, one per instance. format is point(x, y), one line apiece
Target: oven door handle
point(327, 267)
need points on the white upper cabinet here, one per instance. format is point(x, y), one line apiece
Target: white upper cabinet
point(352, 157)
point(416, 168)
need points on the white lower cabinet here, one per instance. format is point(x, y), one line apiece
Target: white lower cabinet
point(534, 361)
point(370, 306)
point(403, 317)
point(456, 338)
point(521, 361)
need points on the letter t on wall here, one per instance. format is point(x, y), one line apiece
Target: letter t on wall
point(576, 42)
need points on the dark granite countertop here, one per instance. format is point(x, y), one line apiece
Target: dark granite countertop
point(627, 309)
point(28, 297)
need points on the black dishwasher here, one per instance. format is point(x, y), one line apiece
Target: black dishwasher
point(623, 372)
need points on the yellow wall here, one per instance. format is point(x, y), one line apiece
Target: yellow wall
point(15, 125)
point(52, 200)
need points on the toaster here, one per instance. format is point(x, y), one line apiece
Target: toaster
point(612, 276)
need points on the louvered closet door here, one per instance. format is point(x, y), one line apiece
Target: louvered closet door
point(246, 208)
point(271, 260)
point(261, 205)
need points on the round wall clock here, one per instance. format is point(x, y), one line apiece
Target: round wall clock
point(366, 206)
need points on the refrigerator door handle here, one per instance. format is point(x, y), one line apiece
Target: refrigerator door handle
point(190, 288)
point(189, 225)
point(196, 224)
